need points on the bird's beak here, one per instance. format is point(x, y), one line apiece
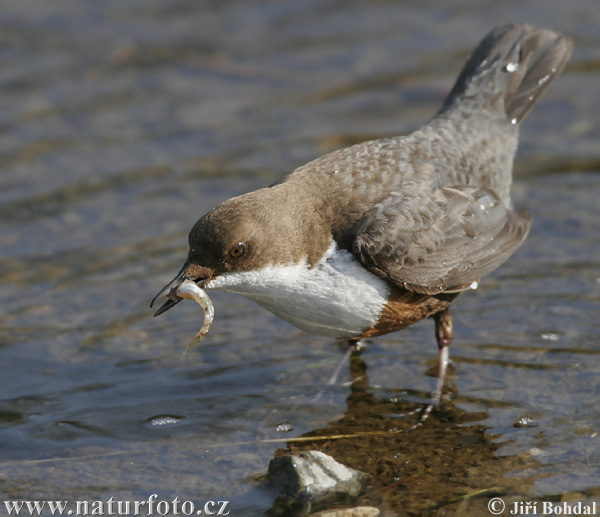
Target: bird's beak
point(169, 291)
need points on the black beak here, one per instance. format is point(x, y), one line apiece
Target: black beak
point(168, 291)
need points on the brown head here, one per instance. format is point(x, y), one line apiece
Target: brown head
point(252, 231)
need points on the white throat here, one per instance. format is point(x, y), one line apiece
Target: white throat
point(337, 298)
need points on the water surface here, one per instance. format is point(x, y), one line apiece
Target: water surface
point(122, 123)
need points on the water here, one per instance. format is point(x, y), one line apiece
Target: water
point(122, 123)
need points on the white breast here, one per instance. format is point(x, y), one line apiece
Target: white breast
point(337, 298)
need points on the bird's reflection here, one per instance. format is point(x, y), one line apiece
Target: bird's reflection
point(434, 465)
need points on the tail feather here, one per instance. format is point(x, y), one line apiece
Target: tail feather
point(510, 70)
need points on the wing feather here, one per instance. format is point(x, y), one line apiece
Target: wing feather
point(441, 240)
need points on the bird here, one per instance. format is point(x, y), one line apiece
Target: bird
point(369, 239)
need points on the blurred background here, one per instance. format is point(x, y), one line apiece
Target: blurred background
point(121, 123)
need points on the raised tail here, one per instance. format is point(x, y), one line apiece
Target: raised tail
point(509, 71)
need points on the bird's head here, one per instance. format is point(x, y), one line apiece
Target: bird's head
point(245, 233)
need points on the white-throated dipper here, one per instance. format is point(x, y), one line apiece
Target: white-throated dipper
point(372, 238)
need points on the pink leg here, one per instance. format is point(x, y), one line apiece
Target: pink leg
point(353, 347)
point(443, 335)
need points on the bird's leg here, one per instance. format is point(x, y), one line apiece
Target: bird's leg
point(353, 346)
point(443, 335)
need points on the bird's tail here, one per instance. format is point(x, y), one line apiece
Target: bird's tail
point(509, 71)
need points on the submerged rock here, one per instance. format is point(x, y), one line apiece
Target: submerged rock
point(309, 475)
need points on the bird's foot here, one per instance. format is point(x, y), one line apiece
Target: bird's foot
point(444, 340)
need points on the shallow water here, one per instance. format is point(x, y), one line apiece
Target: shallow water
point(122, 123)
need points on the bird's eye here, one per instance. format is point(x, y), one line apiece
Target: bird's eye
point(237, 250)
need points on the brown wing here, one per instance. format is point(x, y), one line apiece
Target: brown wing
point(441, 240)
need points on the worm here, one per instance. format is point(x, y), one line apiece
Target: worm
point(189, 290)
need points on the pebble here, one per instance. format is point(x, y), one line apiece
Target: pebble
point(308, 475)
